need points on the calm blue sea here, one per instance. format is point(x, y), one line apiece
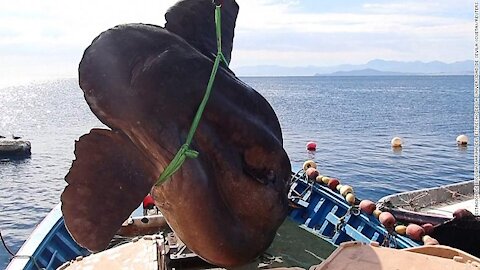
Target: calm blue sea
point(352, 120)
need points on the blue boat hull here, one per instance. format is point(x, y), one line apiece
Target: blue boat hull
point(49, 246)
point(57, 249)
point(326, 213)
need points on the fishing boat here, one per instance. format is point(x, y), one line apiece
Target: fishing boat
point(325, 213)
point(49, 245)
point(165, 251)
point(14, 149)
point(147, 238)
point(320, 219)
point(358, 255)
point(430, 205)
point(448, 208)
point(143, 254)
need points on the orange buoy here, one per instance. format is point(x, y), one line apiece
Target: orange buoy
point(333, 183)
point(428, 227)
point(311, 173)
point(367, 206)
point(415, 232)
point(311, 146)
point(387, 219)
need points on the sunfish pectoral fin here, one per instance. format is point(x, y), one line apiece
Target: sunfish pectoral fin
point(106, 182)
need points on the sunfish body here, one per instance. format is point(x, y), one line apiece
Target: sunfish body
point(146, 82)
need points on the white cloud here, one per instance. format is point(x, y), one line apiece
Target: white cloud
point(41, 39)
point(74, 21)
point(406, 16)
point(423, 30)
point(48, 37)
point(418, 7)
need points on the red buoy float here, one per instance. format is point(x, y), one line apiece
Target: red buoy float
point(311, 146)
point(387, 219)
point(428, 228)
point(415, 232)
point(333, 183)
point(148, 202)
point(367, 206)
point(311, 173)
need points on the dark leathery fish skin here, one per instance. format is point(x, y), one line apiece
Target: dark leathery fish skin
point(145, 82)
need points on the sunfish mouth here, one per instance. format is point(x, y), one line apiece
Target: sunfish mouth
point(145, 83)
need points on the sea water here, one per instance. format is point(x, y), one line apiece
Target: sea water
point(352, 120)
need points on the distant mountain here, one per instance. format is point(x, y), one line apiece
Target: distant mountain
point(435, 67)
point(411, 68)
point(365, 72)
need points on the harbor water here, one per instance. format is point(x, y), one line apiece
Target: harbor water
point(351, 119)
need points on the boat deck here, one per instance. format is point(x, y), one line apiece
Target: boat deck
point(448, 209)
point(441, 201)
point(359, 256)
point(293, 246)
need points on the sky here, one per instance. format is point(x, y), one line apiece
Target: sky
point(46, 39)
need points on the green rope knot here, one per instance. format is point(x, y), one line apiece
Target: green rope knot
point(185, 151)
point(191, 153)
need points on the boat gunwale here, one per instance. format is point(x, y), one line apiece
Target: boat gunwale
point(26, 252)
point(414, 201)
point(338, 200)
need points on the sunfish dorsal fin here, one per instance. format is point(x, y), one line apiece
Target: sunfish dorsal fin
point(194, 21)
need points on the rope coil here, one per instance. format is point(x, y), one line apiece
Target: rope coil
point(185, 152)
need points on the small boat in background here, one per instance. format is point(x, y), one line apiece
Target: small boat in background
point(14, 149)
point(431, 205)
point(448, 208)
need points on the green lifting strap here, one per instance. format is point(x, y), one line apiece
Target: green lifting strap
point(185, 151)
